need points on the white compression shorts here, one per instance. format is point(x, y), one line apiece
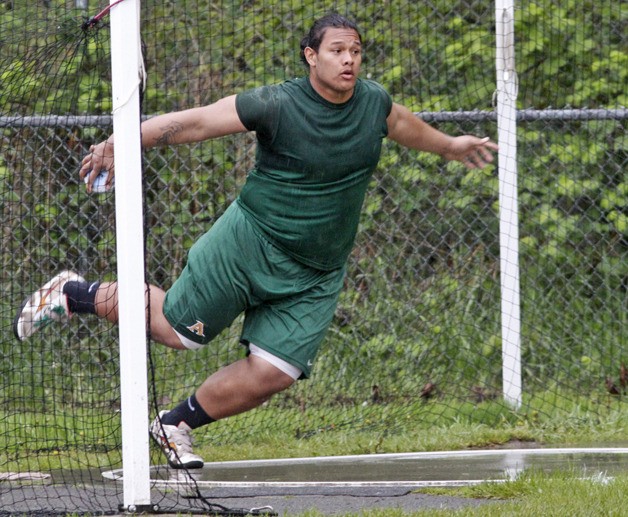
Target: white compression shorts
point(287, 368)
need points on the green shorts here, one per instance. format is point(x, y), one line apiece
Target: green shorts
point(232, 269)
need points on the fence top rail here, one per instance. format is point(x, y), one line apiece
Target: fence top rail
point(428, 116)
point(56, 120)
point(526, 115)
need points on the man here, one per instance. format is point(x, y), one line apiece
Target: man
point(278, 253)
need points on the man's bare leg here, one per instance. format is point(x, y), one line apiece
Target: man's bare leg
point(241, 386)
point(106, 305)
point(235, 388)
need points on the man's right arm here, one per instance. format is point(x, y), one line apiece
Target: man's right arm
point(193, 125)
point(180, 127)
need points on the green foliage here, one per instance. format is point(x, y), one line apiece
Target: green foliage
point(571, 54)
point(52, 64)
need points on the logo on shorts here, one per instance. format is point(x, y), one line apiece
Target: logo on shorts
point(198, 328)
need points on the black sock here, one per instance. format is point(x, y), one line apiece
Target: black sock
point(188, 411)
point(81, 296)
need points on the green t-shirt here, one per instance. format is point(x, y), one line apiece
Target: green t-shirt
point(313, 164)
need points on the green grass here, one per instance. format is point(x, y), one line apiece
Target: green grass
point(570, 430)
point(532, 494)
point(441, 425)
point(80, 439)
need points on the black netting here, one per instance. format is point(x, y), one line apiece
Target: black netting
point(416, 340)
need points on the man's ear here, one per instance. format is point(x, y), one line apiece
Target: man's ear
point(310, 55)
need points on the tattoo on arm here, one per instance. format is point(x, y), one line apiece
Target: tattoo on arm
point(168, 134)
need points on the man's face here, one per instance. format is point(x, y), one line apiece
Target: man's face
point(335, 67)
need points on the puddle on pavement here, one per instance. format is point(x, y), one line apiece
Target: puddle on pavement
point(463, 466)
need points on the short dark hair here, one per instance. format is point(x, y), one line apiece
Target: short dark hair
point(313, 38)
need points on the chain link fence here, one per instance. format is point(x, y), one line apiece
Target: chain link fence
point(416, 340)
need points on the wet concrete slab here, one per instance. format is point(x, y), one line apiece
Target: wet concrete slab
point(453, 467)
point(335, 485)
point(330, 485)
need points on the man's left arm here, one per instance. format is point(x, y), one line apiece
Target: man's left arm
point(407, 129)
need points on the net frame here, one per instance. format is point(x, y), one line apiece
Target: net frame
point(128, 79)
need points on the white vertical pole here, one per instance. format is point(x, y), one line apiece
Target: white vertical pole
point(126, 83)
point(508, 203)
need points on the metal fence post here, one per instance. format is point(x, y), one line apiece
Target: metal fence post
point(508, 202)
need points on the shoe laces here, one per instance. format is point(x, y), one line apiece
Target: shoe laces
point(179, 439)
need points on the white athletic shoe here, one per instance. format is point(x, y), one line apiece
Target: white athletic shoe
point(44, 306)
point(176, 443)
